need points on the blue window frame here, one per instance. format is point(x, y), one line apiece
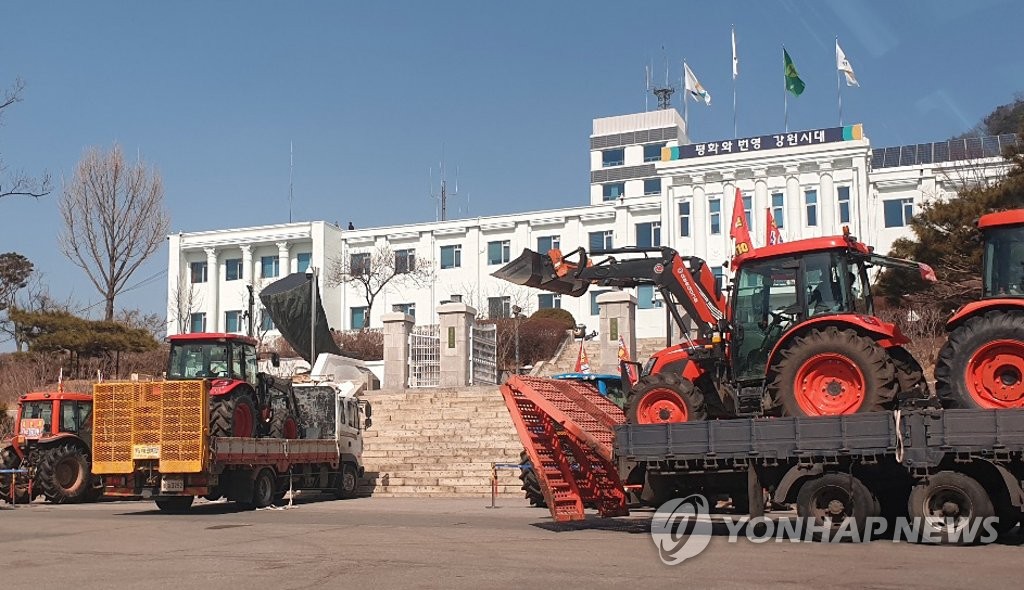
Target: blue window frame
point(779, 209)
point(652, 186)
point(684, 219)
point(233, 269)
point(645, 297)
point(233, 321)
point(811, 201)
point(715, 216)
point(266, 323)
point(843, 196)
point(652, 152)
point(498, 252)
point(648, 235)
point(600, 240)
point(303, 259)
point(747, 206)
point(269, 267)
point(357, 317)
point(549, 301)
point(198, 272)
point(197, 322)
point(595, 309)
point(719, 273)
point(406, 308)
point(614, 157)
point(547, 243)
point(613, 190)
point(451, 256)
point(898, 212)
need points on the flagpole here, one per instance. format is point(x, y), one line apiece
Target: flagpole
point(686, 104)
point(785, 93)
point(839, 91)
point(734, 132)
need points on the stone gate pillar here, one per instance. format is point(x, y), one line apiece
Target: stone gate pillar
point(618, 319)
point(397, 327)
point(456, 322)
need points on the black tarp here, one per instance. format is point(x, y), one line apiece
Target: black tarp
point(287, 301)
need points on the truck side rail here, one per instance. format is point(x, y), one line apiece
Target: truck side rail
point(282, 453)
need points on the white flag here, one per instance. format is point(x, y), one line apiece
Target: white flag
point(735, 60)
point(844, 66)
point(694, 88)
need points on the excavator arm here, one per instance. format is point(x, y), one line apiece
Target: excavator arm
point(682, 280)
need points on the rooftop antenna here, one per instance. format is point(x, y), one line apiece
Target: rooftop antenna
point(291, 174)
point(441, 209)
point(664, 93)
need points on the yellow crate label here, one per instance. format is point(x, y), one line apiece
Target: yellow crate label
point(145, 451)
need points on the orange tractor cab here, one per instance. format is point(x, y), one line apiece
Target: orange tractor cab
point(982, 363)
point(50, 449)
point(243, 401)
point(797, 336)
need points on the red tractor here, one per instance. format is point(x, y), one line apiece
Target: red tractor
point(796, 338)
point(243, 401)
point(51, 447)
point(982, 363)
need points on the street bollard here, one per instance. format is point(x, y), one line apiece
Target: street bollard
point(494, 479)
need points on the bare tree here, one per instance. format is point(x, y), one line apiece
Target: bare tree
point(17, 183)
point(114, 219)
point(183, 300)
point(479, 298)
point(370, 272)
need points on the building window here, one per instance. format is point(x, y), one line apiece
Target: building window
point(359, 263)
point(898, 212)
point(652, 186)
point(613, 190)
point(197, 322)
point(451, 256)
point(652, 152)
point(266, 322)
point(233, 269)
point(747, 206)
point(547, 243)
point(232, 321)
point(406, 308)
point(198, 272)
point(595, 309)
point(600, 240)
point(645, 297)
point(811, 201)
point(844, 204)
point(719, 273)
point(715, 215)
point(303, 258)
point(779, 209)
point(648, 235)
point(405, 261)
point(684, 219)
point(357, 317)
point(549, 301)
point(499, 307)
point(498, 252)
point(614, 157)
point(269, 267)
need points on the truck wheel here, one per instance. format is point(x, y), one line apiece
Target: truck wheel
point(63, 474)
point(174, 504)
point(909, 374)
point(233, 415)
point(832, 372)
point(982, 363)
point(284, 425)
point(264, 488)
point(531, 484)
point(347, 482)
point(662, 398)
point(835, 498)
point(948, 502)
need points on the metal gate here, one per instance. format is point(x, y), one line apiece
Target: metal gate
point(425, 356)
point(483, 352)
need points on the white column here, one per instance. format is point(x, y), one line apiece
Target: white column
point(212, 288)
point(728, 200)
point(796, 220)
point(827, 199)
point(283, 263)
point(699, 226)
point(761, 205)
point(247, 271)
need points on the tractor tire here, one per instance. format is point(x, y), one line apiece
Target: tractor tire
point(909, 375)
point(948, 502)
point(174, 504)
point(233, 415)
point(837, 497)
point(982, 363)
point(832, 372)
point(284, 425)
point(347, 484)
point(531, 484)
point(64, 476)
point(663, 398)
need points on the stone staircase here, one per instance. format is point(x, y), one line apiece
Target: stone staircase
point(439, 443)
point(565, 362)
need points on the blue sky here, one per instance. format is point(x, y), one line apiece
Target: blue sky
point(213, 92)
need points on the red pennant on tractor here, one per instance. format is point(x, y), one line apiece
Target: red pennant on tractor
point(582, 362)
point(774, 236)
point(624, 356)
point(739, 231)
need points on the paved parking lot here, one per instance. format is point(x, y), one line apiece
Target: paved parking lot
point(432, 543)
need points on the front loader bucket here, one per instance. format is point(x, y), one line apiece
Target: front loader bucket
point(533, 269)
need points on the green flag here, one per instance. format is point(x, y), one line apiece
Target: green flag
point(793, 82)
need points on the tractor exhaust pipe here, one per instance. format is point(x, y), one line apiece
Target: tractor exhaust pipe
point(533, 269)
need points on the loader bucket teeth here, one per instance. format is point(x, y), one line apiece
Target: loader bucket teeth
point(533, 269)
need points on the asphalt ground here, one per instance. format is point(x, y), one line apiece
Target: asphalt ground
point(441, 543)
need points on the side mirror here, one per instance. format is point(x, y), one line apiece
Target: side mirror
point(275, 360)
point(367, 423)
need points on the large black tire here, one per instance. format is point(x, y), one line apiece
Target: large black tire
point(264, 489)
point(347, 484)
point(174, 504)
point(531, 484)
point(224, 411)
point(64, 475)
point(284, 425)
point(949, 500)
point(830, 372)
point(837, 497)
point(982, 363)
point(909, 374)
point(664, 397)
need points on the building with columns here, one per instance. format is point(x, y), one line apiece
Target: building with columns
point(650, 186)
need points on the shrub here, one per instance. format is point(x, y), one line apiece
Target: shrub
point(554, 313)
point(539, 339)
point(366, 345)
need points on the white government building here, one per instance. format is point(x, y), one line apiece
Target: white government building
point(649, 186)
